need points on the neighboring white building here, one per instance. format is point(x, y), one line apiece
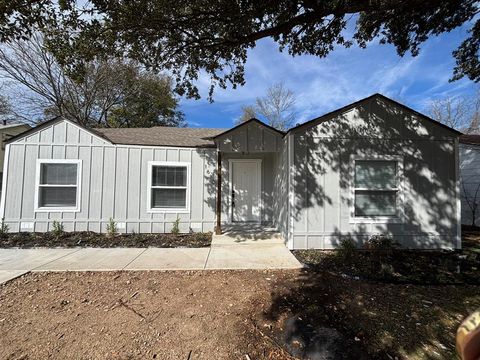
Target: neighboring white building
point(374, 166)
point(470, 178)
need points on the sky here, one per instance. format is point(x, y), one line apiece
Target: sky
point(344, 76)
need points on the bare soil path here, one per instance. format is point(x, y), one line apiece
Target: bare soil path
point(222, 315)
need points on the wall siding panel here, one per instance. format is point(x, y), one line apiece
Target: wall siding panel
point(113, 184)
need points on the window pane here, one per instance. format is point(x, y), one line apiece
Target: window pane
point(169, 176)
point(169, 198)
point(375, 174)
point(58, 196)
point(58, 174)
point(375, 203)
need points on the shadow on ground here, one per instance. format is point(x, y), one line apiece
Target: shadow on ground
point(329, 317)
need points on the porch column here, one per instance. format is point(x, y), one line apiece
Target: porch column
point(218, 228)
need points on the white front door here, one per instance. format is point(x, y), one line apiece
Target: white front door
point(246, 190)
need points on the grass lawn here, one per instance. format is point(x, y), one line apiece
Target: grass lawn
point(229, 315)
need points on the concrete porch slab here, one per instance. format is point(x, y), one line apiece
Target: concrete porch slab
point(252, 257)
point(98, 259)
point(170, 259)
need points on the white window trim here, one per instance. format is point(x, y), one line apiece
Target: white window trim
point(184, 210)
point(75, 208)
point(399, 218)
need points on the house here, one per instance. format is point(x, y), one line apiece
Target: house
point(469, 149)
point(374, 166)
point(8, 131)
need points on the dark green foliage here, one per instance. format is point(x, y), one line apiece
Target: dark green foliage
point(347, 249)
point(215, 35)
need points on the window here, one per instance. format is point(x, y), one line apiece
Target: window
point(376, 188)
point(168, 186)
point(58, 185)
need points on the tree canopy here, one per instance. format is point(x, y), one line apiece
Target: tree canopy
point(102, 92)
point(213, 36)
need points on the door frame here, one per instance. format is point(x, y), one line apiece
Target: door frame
point(230, 186)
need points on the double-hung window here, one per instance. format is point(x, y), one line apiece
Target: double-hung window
point(58, 185)
point(377, 188)
point(169, 186)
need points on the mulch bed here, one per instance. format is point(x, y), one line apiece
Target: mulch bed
point(227, 315)
point(92, 239)
point(403, 266)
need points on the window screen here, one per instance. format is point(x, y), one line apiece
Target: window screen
point(169, 187)
point(376, 188)
point(58, 185)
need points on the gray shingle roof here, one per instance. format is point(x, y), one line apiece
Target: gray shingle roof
point(161, 136)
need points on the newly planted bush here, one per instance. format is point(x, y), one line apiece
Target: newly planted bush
point(57, 228)
point(346, 249)
point(176, 227)
point(112, 229)
point(4, 229)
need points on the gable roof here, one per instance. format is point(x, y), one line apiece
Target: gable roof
point(470, 139)
point(51, 122)
point(161, 136)
point(329, 115)
point(261, 123)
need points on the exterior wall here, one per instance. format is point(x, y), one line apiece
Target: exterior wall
point(323, 176)
point(250, 138)
point(470, 179)
point(113, 184)
point(280, 189)
point(7, 133)
point(268, 170)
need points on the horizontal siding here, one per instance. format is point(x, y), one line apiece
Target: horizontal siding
point(114, 183)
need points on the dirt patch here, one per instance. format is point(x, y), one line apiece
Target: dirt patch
point(224, 315)
point(92, 239)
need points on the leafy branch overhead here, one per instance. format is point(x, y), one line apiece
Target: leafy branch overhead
point(213, 36)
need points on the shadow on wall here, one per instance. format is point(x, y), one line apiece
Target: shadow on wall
point(324, 174)
point(323, 162)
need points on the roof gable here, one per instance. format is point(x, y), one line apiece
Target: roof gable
point(60, 130)
point(331, 115)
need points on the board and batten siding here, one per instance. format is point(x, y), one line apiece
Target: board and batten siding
point(323, 174)
point(113, 184)
point(470, 181)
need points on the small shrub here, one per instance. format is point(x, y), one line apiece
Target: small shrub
point(4, 228)
point(346, 249)
point(112, 229)
point(381, 244)
point(57, 228)
point(176, 226)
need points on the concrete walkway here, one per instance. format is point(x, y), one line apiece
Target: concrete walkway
point(226, 252)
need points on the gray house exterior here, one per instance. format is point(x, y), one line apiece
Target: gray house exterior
point(374, 166)
point(469, 149)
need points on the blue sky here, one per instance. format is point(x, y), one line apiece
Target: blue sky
point(346, 75)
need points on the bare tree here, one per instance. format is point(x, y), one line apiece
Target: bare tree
point(91, 93)
point(472, 199)
point(248, 112)
point(461, 113)
point(276, 108)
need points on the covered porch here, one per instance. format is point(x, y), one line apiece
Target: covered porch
point(251, 182)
